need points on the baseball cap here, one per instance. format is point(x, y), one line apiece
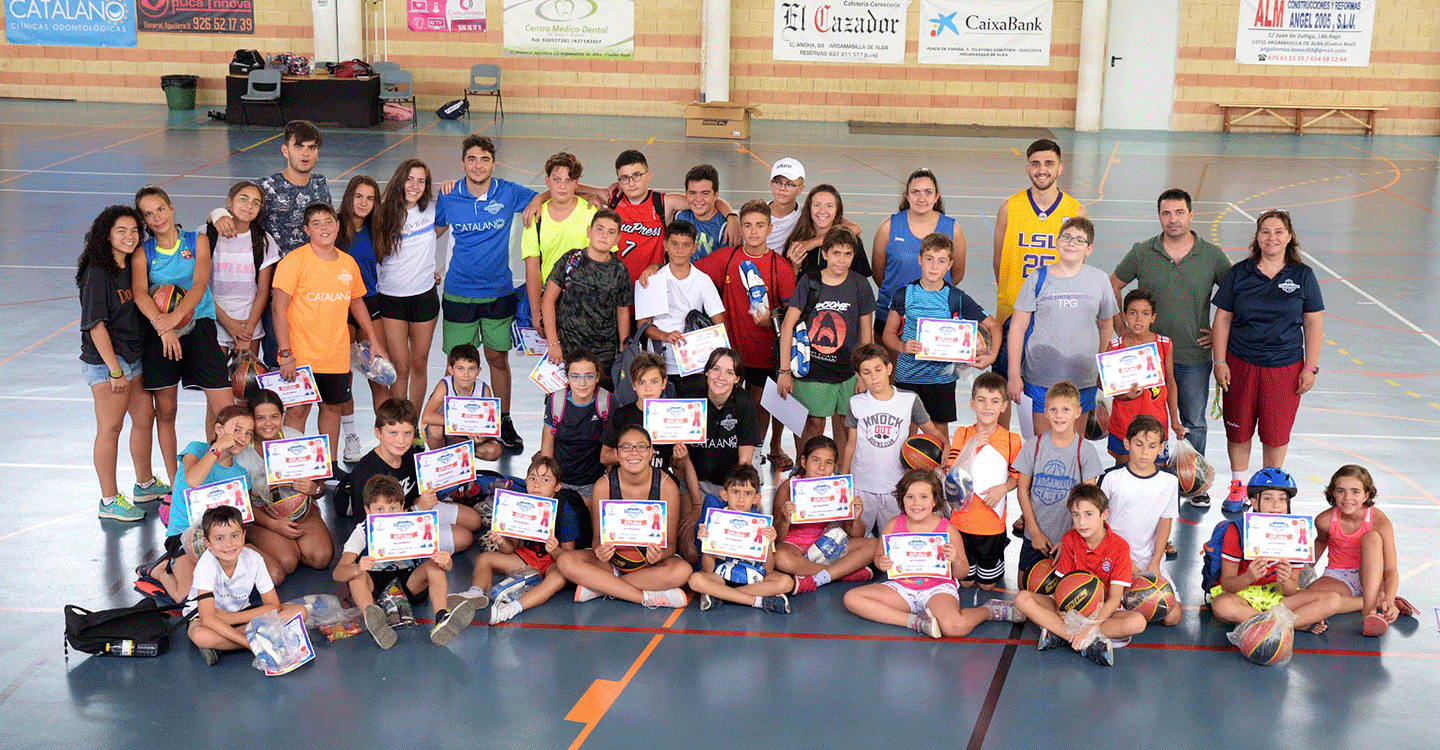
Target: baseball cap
point(788, 168)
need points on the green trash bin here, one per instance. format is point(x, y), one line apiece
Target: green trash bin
point(179, 91)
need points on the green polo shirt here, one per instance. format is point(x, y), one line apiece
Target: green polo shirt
point(1182, 290)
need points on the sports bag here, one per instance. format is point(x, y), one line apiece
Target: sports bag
point(356, 68)
point(137, 630)
point(246, 60)
point(453, 109)
point(620, 371)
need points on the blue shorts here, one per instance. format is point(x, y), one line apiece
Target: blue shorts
point(100, 374)
point(1037, 398)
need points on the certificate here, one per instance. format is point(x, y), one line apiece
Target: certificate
point(731, 533)
point(946, 339)
point(694, 348)
point(297, 458)
point(1136, 365)
point(521, 516)
point(297, 641)
point(301, 390)
point(548, 375)
point(1278, 537)
point(531, 342)
point(917, 555)
point(637, 522)
point(822, 499)
point(445, 467)
point(472, 416)
point(402, 536)
point(232, 492)
point(652, 300)
point(675, 420)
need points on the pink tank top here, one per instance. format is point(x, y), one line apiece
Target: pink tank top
point(1345, 548)
point(902, 526)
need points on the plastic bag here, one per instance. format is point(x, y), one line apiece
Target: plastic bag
point(959, 486)
point(325, 613)
point(1195, 473)
point(1078, 623)
point(1267, 639)
point(277, 650)
point(514, 585)
point(378, 369)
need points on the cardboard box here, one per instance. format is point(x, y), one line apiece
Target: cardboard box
point(719, 119)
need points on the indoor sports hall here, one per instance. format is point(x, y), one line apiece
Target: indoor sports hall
point(607, 674)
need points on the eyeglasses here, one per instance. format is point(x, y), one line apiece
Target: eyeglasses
point(626, 179)
point(1073, 239)
point(781, 182)
point(633, 447)
point(583, 377)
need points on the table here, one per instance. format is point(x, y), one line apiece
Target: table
point(351, 102)
point(1237, 114)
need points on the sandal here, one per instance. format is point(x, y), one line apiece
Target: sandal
point(1170, 552)
point(1405, 607)
point(781, 461)
point(1375, 625)
point(150, 587)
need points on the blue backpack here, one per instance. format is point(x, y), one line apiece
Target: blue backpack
point(1210, 558)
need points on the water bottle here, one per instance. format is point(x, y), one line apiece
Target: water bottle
point(129, 647)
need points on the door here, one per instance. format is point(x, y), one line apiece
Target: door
point(1140, 51)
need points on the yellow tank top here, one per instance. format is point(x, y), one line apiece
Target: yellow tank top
point(1029, 243)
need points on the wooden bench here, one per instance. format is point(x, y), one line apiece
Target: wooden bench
point(1237, 114)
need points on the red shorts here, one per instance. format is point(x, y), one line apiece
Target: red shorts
point(540, 561)
point(1264, 396)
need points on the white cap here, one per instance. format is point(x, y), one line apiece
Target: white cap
point(788, 168)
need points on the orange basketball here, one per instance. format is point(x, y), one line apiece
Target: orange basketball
point(921, 452)
point(1041, 578)
point(1080, 591)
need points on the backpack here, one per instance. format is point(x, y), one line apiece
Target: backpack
point(558, 399)
point(1210, 557)
point(356, 68)
point(137, 630)
point(620, 371)
point(453, 109)
point(246, 60)
point(397, 112)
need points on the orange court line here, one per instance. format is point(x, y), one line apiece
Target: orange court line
point(87, 130)
point(217, 161)
point(146, 134)
point(1426, 209)
point(59, 331)
point(1100, 189)
point(1355, 413)
point(1366, 459)
point(602, 693)
point(743, 150)
point(393, 145)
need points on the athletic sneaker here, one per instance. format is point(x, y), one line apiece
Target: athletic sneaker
point(926, 624)
point(451, 622)
point(1101, 652)
point(1200, 501)
point(860, 576)
point(352, 453)
point(153, 491)
point(379, 628)
point(1048, 640)
point(583, 594)
point(1236, 501)
point(708, 602)
point(509, 438)
point(778, 604)
point(210, 656)
point(481, 601)
point(117, 508)
point(504, 611)
point(667, 598)
point(803, 585)
point(1004, 610)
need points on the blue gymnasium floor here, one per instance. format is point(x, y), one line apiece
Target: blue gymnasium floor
point(607, 674)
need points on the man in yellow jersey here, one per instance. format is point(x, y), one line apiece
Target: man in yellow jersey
point(1025, 229)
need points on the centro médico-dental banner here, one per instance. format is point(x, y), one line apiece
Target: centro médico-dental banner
point(985, 32)
point(70, 23)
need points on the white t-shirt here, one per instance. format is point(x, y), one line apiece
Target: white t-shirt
point(357, 544)
point(232, 593)
point(694, 292)
point(881, 428)
point(780, 227)
point(232, 278)
point(1137, 504)
point(410, 270)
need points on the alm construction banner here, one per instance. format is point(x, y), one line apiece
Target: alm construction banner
point(985, 32)
point(855, 31)
point(197, 16)
point(1305, 32)
point(571, 28)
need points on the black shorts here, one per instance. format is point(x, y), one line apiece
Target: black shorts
point(201, 365)
point(499, 308)
point(417, 308)
point(690, 386)
point(938, 398)
point(173, 548)
point(1001, 366)
point(756, 376)
point(334, 387)
point(986, 554)
point(382, 579)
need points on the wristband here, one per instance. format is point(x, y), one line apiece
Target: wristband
point(1314, 369)
point(784, 372)
point(285, 353)
point(117, 373)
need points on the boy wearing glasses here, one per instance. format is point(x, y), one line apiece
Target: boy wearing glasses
point(787, 179)
point(575, 420)
point(1062, 299)
point(643, 214)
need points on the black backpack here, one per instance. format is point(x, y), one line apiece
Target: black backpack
point(137, 630)
point(244, 61)
point(453, 109)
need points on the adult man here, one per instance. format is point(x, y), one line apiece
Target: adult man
point(1180, 269)
point(1025, 229)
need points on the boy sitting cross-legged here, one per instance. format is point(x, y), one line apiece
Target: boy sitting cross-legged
point(737, 580)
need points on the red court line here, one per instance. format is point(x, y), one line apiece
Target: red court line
point(217, 161)
point(1369, 414)
point(1329, 314)
point(87, 130)
point(397, 143)
point(1387, 189)
point(1366, 459)
point(146, 134)
point(33, 301)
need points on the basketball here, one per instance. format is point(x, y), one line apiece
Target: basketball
point(921, 452)
point(167, 298)
point(1267, 642)
point(245, 372)
point(1041, 578)
point(1153, 601)
point(1093, 429)
point(628, 557)
point(1194, 472)
point(831, 546)
point(192, 540)
point(286, 504)
point(739, 572)
point(1079, 591)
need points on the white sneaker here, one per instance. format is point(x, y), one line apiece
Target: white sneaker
point(352, 451)
point(667, 598)
point(583, 594)
point(504, 611)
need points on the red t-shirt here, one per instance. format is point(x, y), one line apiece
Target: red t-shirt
point(642, 232)
point(1109, 560)
point(1231, 550)
point(1152, 401)
point(722, 265)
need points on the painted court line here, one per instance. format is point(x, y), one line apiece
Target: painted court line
point(1371, 297)
point(63, 329)
point(601, 694)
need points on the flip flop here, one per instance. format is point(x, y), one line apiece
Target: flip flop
point(781, 461)
point(1375, 625)
point(150, 587)
point(1405, 607)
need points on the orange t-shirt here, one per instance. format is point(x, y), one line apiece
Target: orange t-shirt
point(320, 293)
point(980, 519)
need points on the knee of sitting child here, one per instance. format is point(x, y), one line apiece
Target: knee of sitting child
point(488, 450)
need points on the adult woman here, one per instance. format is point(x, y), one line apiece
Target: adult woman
point(357, 218)
point(1266, 337)
point(896, 252)
point(731, 434)
point(405, 262)
point(823, 209)
point(288, 529)
point(110, 346)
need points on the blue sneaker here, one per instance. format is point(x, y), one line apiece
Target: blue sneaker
point(156, 490)
point(117, 508)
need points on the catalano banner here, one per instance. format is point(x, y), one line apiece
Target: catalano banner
point(1305, 32)
point(70, 23)
point(197, 16)
point(985, 32)
point(445, 15)
point(856, 31)
point(571, 28)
